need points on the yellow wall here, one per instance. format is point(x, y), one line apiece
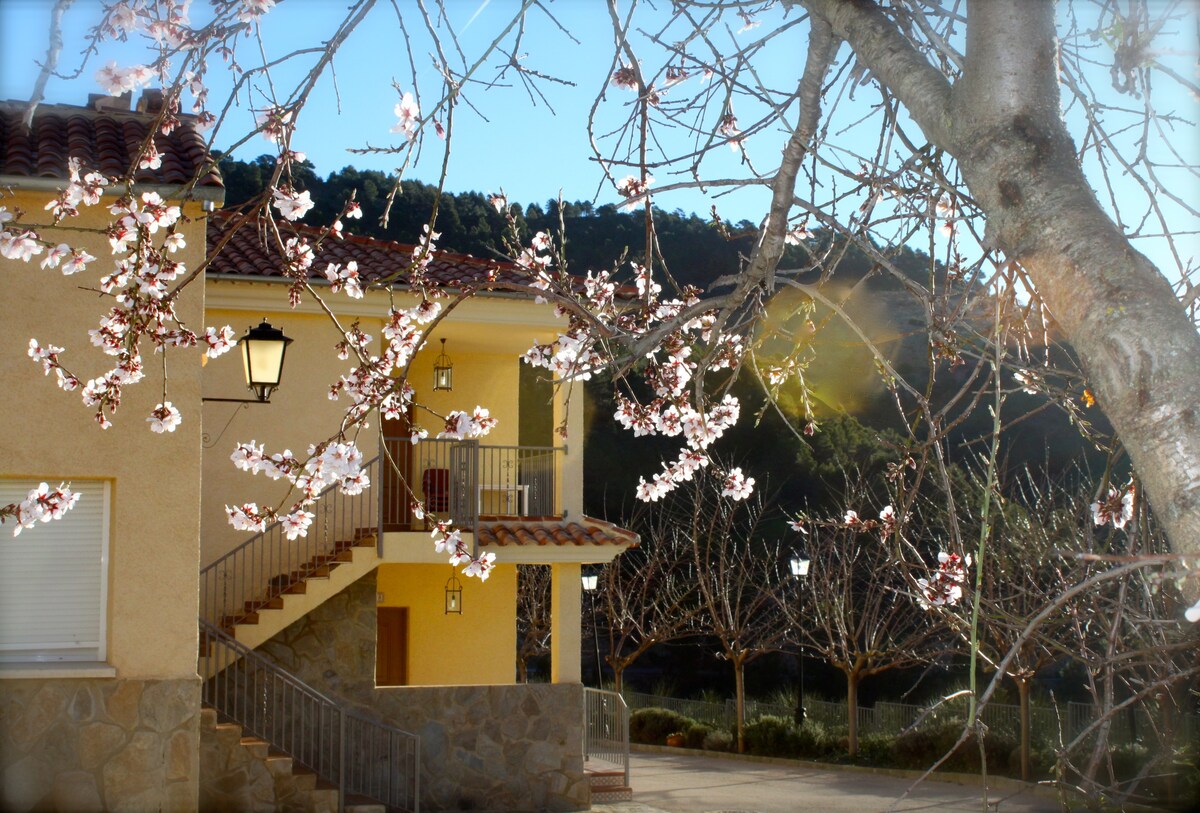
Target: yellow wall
point(49, 434)
point(485, 339)
point(477, 647)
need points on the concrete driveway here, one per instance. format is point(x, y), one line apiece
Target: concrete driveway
point(688, 783)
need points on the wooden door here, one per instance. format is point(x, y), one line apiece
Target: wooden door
point(391, 646)
point(397, 514)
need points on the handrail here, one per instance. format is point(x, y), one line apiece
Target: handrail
point(267, 565)
point(606, 728)
point(360, 756)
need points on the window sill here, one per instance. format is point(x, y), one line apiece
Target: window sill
point(18, 671)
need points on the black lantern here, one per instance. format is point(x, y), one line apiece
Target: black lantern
point(589, 580)
point(263, 348)
point(443, 371)
point(453, 596)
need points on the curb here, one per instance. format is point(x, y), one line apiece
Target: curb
point(1004, 784)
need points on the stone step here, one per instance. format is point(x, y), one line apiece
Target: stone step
point(612, 794)
point(601, 779)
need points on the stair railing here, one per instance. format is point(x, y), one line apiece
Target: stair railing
point(268, 564)
point(606, 728)
point(360, 756)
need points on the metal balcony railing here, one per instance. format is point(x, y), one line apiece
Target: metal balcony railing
point(360, 756)
point(463, 479)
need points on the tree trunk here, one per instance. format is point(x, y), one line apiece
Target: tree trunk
point(618, 677)
point(1002, 122)
point(852, 712)
point(522, 671)
point(739, 683)
point(1023, 687)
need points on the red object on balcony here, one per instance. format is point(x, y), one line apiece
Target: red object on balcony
point(435, 484)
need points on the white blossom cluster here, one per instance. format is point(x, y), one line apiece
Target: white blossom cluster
point(42, 504)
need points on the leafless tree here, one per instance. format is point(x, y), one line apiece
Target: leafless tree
point(739, 578)
point(859, 612)
point(648, 596)
point(533, 616)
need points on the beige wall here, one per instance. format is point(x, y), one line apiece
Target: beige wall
point(477, 647)
point(49, 434)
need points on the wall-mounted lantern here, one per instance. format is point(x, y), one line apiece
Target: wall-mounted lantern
point(263, 349)
point(590, 580)
point(453, 596)
point(443, 371)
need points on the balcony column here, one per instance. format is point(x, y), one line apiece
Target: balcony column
point(566, 596)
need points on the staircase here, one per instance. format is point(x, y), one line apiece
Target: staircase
point(253, 776)
point(258, 589)
point(608, 786)
point(296, 749)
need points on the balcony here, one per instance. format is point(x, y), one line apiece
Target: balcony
point(464, 480)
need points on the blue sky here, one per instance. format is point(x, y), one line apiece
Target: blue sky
point(509, 140)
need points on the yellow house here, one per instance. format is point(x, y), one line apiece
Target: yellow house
point(356, 649)
point(99, 695)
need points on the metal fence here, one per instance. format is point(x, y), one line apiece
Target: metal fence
point(1060, 723)
point(360, 756)
point(606, 728)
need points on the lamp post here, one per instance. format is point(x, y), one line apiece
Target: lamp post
point(263, 349)
point(590, 581)
point(800, 571)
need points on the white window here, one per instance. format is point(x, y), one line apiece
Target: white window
point(54, 579)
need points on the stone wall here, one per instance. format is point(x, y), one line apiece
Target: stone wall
point(483, 748)
point(99, 744)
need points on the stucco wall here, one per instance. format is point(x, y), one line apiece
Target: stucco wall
point(49, 434)
point(487, 627)
point(483, 748)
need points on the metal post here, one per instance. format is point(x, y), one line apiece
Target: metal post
point(341, 759)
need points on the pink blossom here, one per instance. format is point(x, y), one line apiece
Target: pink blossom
point(1117, 507)
point(291, 204)
point(164, 418)
point(409, 114)
point(737, 486)
point(43, 504)
point(296, 524)
point(23, 246)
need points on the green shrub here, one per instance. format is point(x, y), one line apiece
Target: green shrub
point(694, 737)
point(926, 745)
point(876, 749)
point(812, 741)
point(718, 740)
point(771, 737)
point(653, 726)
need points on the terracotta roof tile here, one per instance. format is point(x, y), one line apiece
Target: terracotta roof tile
point(249, 253)
point(555, 532)
point(105, 140)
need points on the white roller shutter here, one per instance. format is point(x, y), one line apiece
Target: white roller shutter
point(53, 579)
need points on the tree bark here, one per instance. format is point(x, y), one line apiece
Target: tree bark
point(739, 683)
point(852, 712)
point(1003, 124)
point(1023, 687)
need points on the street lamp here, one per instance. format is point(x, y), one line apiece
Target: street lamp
point(800, 571)
point(263, 349)
point(590, 581)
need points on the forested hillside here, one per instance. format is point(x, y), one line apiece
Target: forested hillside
point(860, 427)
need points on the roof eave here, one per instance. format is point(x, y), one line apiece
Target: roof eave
point(201, 194)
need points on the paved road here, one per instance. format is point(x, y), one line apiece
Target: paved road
point(685, 783)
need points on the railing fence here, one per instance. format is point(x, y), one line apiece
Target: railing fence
point(361, 756)
point(1062, 723)
point(606, 728)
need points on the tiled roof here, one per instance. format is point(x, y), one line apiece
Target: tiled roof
point(553, 532)
point(249, 253)
point(107, 140)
